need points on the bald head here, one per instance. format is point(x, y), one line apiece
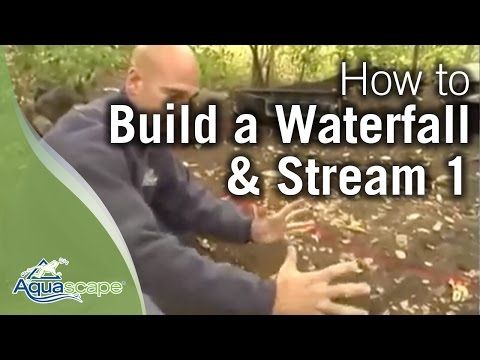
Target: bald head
point(160, 74)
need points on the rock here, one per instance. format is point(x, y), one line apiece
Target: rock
point(205, 244)
point(449, 220)
point(425, 310)
point(224, 108)
point(413, 216)
point(400, 254)
point(438, 226)
point(404, 305)
point(443, 180)
point(189, 165)
point(41, 124)
point(56, 102)
point(28, 110)
point(207, 97)
point(402, 240)
point(423, 230)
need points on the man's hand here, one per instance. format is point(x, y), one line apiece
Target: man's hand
point(311, 294)
point(270, 229)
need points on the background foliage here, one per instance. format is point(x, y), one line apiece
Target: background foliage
point(222, 66)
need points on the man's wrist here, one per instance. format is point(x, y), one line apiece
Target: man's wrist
point(256, 230)
point(248, 237)
point(272, 286)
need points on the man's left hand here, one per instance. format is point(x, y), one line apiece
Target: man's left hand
point(276, 227)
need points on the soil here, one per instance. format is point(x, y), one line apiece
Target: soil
point(415, 249)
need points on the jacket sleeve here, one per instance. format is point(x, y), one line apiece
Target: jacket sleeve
point(197, 209)
point(177, 278)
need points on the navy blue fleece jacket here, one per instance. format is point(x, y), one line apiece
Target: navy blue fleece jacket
point(153, 199)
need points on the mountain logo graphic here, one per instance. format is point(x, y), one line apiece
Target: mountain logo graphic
point(43, 284)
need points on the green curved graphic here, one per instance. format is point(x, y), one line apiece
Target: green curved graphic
point(53, 225)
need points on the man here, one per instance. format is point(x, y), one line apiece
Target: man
point(153, 200)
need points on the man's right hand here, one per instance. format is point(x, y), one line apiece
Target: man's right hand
point(309, 293)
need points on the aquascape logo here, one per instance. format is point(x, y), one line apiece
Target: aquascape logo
point(44, 284)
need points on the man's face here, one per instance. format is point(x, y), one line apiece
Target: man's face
point(153, 94)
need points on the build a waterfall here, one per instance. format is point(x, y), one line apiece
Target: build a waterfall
point(293, 125)
point(349, 128)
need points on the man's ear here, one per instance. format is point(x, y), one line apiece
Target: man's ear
point(134, 82)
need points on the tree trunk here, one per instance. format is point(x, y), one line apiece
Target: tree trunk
point(257, 76)
point(416, 51)
point(302, 71)
point(263, 63)
point(270, 65)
